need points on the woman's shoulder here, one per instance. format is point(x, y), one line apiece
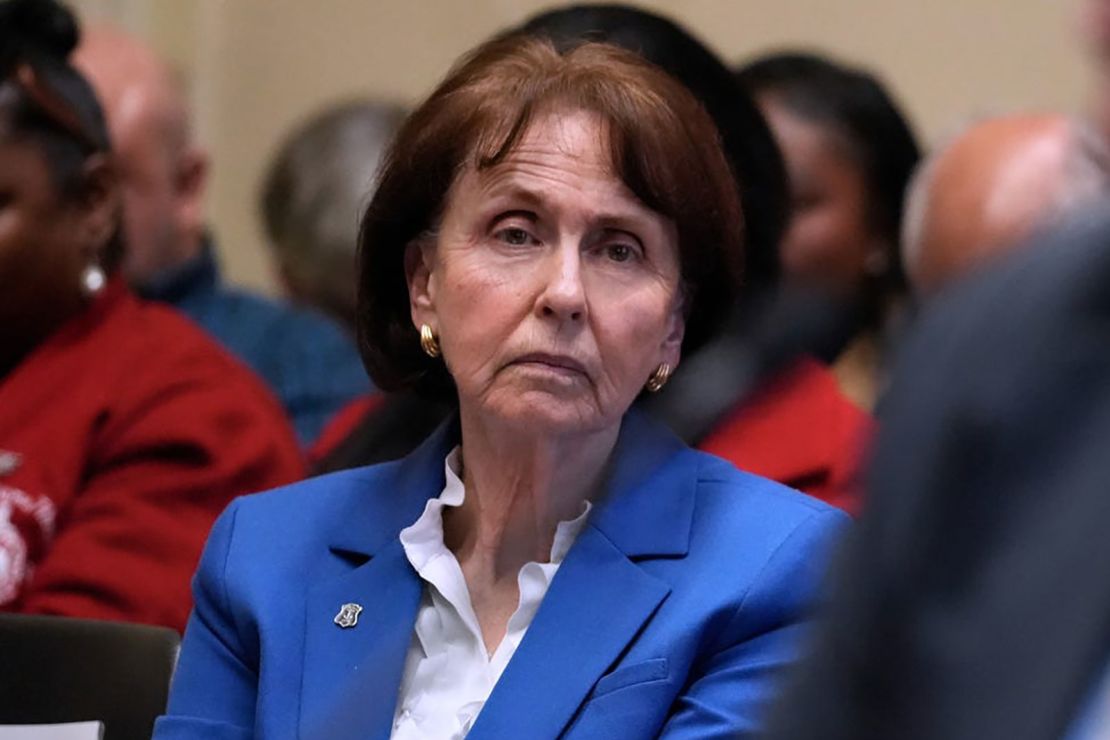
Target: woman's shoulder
point(723, 503)
point(722, 485)
point(750, 519)
point(314, 506)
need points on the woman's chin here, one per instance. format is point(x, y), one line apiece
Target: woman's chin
point(541, 413)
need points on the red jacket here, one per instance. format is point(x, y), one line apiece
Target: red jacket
point(122, 437)
point(798, 429)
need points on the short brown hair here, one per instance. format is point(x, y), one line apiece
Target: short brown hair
point(663, 146)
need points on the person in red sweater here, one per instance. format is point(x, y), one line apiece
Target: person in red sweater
point(124, 430)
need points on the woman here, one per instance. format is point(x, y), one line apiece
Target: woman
point(549, 233)
point(123, 430)
point(849, 153)
point(758, 398)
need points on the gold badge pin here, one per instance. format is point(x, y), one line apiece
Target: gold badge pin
point(348, 615)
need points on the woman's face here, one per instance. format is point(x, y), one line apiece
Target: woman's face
point(829, 241)
point(553, 290)
point(41, 258)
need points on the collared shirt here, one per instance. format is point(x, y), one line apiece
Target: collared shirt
point(310, 363)
point(448, 673)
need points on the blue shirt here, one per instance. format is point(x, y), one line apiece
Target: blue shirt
point(310, 363)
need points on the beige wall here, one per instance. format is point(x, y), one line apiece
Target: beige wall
point(257, 66)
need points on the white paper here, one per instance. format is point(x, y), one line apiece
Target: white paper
point(66, 731)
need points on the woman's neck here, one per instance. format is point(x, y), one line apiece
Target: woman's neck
point(518, 488)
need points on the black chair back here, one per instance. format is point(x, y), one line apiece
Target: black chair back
point(57, 669)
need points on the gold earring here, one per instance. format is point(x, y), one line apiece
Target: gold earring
point(428, 341)
point(659, 378)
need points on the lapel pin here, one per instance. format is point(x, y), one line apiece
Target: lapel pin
point(348, 615)
point(9, 461)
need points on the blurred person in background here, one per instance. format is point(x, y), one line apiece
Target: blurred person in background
point(124, 429)
point(753, 395)
point(550, 233)
point(313, 194)
point(308, 360)
point(849, 153)
point(991, 186)
point(1094, 34)
point(972, 601)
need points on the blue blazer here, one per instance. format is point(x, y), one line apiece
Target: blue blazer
point(672, 614)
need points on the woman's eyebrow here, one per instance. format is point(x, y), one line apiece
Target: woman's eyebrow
point(505, 187)
point(514, 191)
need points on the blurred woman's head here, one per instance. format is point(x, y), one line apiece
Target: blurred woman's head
point(564, 223)
point(58, 200)
point(849, 153)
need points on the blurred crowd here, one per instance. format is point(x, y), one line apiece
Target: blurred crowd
point(922, 342)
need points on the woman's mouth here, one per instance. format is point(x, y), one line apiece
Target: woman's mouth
point(558, 364)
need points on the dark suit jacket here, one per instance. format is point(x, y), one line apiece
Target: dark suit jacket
point(974, 601)
point(673, 612)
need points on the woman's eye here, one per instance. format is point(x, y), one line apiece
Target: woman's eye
point(514, 236)
point(618, 252)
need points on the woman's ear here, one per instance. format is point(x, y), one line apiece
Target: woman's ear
point(190, 179)
point(676, 332)
point(419, 256)
point(98, 203)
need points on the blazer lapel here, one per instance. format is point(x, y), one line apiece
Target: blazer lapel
point(596, 605)
point(352, 674)
point(599, 599)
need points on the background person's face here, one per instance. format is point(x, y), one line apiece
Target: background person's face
point(1094, 29)
point(41, 254)
point(554, 291)
point(829, 241)
point(150, 199)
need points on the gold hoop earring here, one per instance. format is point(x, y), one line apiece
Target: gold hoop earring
point(428, 341)
point(659, 378)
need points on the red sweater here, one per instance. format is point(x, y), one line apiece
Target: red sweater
point(122, 437)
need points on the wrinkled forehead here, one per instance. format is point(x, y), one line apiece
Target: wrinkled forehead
point(577, 136)
point(555, 148)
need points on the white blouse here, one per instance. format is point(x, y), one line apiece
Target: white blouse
point(448, 673)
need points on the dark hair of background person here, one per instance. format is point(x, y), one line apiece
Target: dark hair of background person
point(46, 102)
point(854, 106)
point(663, 145)
point(313, 194)
point(747, 140)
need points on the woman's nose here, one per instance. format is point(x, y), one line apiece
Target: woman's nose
point(564, 295)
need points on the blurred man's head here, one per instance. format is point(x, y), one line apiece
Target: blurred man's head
point(312, 198)
point(162, 170)
point(991, 187)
